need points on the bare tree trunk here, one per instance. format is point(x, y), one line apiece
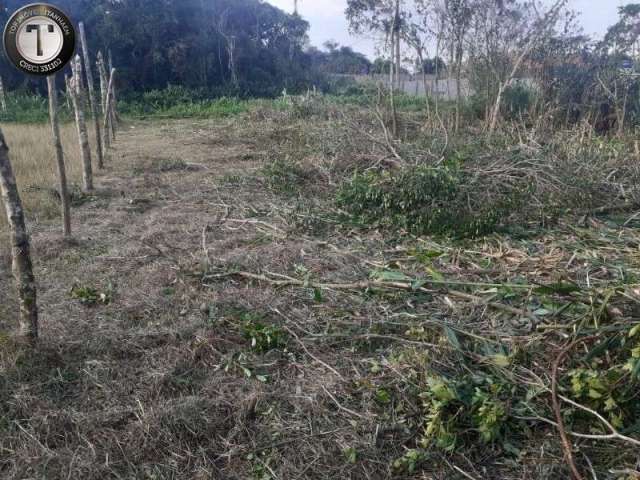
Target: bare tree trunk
point(397, 27)
point(20, 249)
point(3, 100)
point(57, 144)
point(459, 54)
point(545, 23)
point(78, 99)
point(392, 63)
point(92, 96)
point(108, 102)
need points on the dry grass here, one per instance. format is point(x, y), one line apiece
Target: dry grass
point(161, 381)
point(34, 164)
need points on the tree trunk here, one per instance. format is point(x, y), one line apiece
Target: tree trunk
point(108, 102)
point(57, 145)
point(458, 89)
point(397, 28)
point(78, 99)
point(92, 96)
point(495, 113)
point(3, 100)
point(20, 249)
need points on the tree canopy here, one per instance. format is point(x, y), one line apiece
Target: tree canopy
point(229, 46)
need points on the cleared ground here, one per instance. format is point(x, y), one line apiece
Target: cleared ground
point(159, 360)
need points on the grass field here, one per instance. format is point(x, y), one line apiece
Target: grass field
point(35, 167)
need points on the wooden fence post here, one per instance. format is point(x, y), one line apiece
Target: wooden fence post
point(3, 99)
point(22, 267)
point(92, 96)
point(104, 84)
point(57, 144)
point(78, 99)
point(109, 100)
point(116, 116)
point(102, 75)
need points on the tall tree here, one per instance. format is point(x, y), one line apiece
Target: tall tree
point(536, 27)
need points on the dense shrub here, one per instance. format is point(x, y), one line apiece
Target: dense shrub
point(424, 200)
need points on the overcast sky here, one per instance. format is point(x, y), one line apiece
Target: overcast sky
point(328, 21)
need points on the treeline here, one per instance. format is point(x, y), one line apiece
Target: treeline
point(229, 47)
point(523, 60)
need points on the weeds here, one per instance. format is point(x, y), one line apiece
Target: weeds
point(90, 296)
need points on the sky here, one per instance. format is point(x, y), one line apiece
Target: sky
point(328, 21)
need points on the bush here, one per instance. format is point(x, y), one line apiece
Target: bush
point(518, 100)
point(180, 102)
point(424, 200)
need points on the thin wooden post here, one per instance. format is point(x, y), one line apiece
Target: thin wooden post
point(57, 145)
point(3, 99)
point(108, 103)
point(22, 267)
point(104, 83)
point(92, 96)
point(78, 99)
point(102, 75)
point(116, 116)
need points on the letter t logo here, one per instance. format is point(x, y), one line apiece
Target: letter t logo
point(37, 28)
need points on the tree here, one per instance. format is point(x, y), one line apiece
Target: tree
point(156, 43)
point(340, 60)
point(382, 17)
point(20, 248)
point(457, 16)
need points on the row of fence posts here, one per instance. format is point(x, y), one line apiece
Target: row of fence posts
point(105, 121)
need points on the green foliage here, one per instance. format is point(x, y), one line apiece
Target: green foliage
point(28, 108)
point(180, 102)
point(90, 296)
point(170, 164)
point(468, 408)
point(608, 382)
point(422, 200)
point(518, 100)
point(186, 42)
point(263, 337)
point(284, 176)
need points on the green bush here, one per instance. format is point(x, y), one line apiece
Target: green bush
point(424, 200)
point(180, 102)
point(518, 100)
point(284, 176)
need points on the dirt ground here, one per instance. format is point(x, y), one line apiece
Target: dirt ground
point(155, 382)
point(156, 363)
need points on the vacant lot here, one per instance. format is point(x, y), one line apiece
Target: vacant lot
point(216, 316)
